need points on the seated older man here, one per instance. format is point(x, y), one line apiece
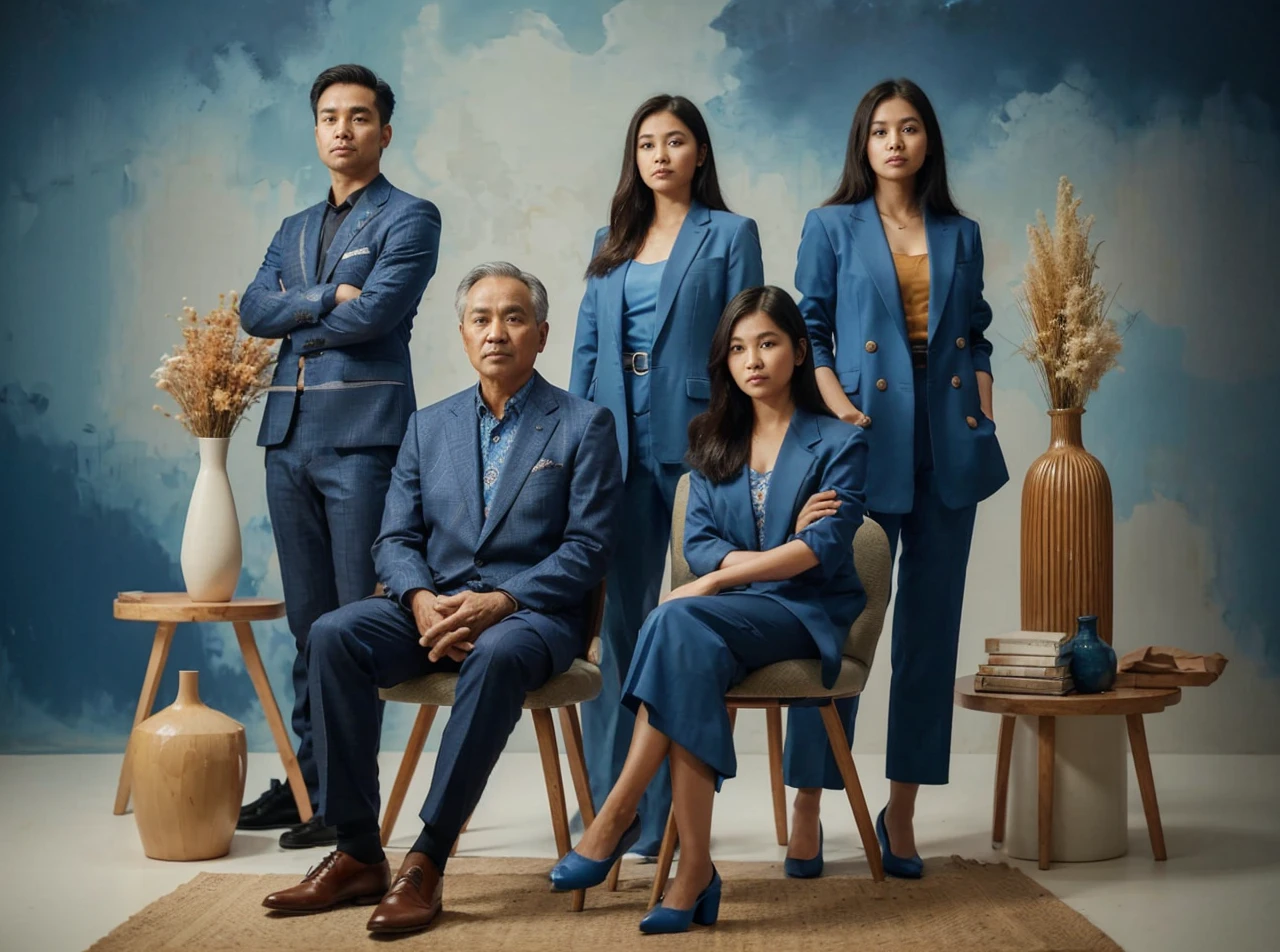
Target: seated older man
point(500, 519)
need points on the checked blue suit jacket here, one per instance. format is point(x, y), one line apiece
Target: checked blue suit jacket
point(356, 355)
point(552, 525)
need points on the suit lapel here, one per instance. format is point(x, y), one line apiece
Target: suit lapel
point(613, 294)
point(790, 470)
point(464, 451)
point(693, 232)
point(369, 204)
point(873, 248)
point(941, 235)
point(309, 243)
point(538, 421)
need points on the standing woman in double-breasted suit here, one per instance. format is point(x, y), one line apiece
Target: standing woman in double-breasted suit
point(662, 271)
point(891, 278)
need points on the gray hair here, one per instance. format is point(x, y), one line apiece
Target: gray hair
point(503, 269)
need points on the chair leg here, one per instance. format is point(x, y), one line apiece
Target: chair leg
point(146, 701)
point(1146, 783)
point(773, 724)
point(853, 789)
point(408, 765)
point(1004, 756)
point(572, 730)
point(666, 853)
point(545, 728)
point(453, 850)
point(258, 675)
point(1048, 726)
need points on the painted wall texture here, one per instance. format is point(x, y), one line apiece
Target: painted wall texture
point(153, 148)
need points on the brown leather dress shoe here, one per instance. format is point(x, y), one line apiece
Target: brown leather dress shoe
point(338, 878)
point(414, 899)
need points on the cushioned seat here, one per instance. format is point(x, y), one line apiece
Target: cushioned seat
point(580, 683)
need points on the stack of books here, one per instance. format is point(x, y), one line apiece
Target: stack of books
point(1026, 662)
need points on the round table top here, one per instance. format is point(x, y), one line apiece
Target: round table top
point(178, 606)
point(1115, 701)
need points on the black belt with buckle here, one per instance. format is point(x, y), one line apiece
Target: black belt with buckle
point(637, 363)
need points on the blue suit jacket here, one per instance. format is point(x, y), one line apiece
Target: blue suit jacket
point(552, 524)
point(356, 355)
point(716, 255)
point(817, 454)
point(853, 308)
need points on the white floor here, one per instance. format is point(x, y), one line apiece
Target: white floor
point(73, 871)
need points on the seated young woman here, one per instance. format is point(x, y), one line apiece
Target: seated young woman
point(775, 497)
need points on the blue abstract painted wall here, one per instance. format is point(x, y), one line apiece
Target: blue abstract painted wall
point(153, 147)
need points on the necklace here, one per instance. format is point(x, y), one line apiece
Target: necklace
point(895, 224)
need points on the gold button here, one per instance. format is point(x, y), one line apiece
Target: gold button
point(960, 342)
point(871, 347)
point(973, 424)
point(955, 382)
point(882, 384)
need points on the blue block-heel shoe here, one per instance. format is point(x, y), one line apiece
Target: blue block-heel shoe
point(577, 872)
point(705, 911)
point(911, 867)
point(805, 868)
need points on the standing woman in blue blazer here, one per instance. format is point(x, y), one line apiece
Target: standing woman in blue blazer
point(774, 501)
point(891, 278)
point(660, 275)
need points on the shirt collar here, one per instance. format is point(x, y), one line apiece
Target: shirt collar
point(348, 202)
point(515, 403)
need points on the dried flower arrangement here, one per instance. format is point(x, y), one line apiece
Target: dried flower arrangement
point(215, 374)
point(1071, 341)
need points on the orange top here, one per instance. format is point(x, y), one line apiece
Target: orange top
point(913, 285)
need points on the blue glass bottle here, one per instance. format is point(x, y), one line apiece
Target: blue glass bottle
point(1093, 661)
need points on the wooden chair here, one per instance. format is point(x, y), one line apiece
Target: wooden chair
point(563, 693)
point(778, 685)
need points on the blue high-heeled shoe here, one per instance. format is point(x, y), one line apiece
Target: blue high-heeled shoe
point(910, 867)
point(805, 868)
point(706, 909)
point(575, 871)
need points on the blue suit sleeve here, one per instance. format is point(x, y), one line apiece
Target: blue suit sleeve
point(831, 537)
point(746, 265)
point(816, 280)
point(562, 580)
point(586, 338)
point(266, 310)
point(980, 316)
point(704, 546)
point(400, 551)
point(395, 285)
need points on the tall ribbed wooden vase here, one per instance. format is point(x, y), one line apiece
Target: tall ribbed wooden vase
point(1066, 534)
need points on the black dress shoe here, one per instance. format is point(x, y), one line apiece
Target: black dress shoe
point(309, 834)
point(271, 811)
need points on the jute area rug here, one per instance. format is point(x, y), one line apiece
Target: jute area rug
point(505, 904)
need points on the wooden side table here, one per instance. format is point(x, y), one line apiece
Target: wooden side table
point(1131, 702)
point(167, 609)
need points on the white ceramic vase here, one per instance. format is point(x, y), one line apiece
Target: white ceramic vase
point(211, 538)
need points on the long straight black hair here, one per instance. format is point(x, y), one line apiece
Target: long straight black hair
point(720, 438)
point(631, 212)
point(858, 180)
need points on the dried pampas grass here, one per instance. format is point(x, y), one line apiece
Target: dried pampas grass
point(1070, 341)
point(215, 374)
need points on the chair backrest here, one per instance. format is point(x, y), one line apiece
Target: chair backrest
point(870, 560)
point(595, 617)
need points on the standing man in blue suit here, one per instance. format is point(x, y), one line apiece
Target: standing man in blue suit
point(500, 520)
point(339, 287)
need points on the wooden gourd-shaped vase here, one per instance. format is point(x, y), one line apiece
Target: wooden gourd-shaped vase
point(188, 777)
point(1067, 527)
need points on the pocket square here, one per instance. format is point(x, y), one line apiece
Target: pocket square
point(355, 253)
point(545, 463)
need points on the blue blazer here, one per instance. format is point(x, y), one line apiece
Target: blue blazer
point(817, 454)
point(853, 308)
point(552, 524)
point(716, 255)
point(356, 354)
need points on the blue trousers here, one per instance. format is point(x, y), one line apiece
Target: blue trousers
point(934, 541)
point(326, 510)
point(632, 589)
point(692, 650)
point(372, 644)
